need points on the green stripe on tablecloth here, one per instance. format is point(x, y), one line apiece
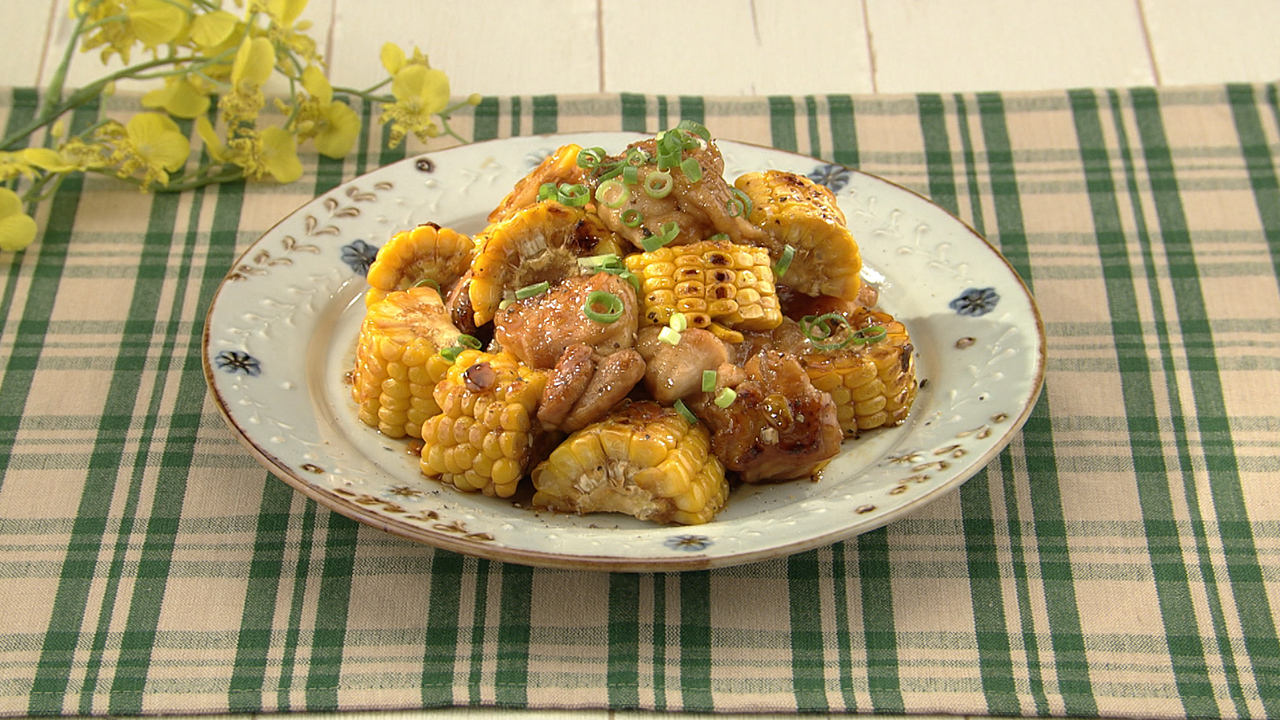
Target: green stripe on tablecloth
point(514, 632)
point(695, 642)
point(1070, 672)
point(844, 130)
point(693, 108)
point(815, 139)
point(659, 639)
point(545, 114)
point(440, 641)
point(808, 653)
point(1136, 383)
point(22, 109)
point(479, 621)
point(879, 627)
point(1245, 584)
point(175, 348)
point(937, 153)
point(841, 566)
point(782, 123)
point(623, 633)
point(484, 119)
point(635, 112)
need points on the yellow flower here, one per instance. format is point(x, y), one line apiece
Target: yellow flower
point(157, 22)
point(212, 142)
point(334, 126)
point(254, 62)
point(15, 164)
point(211, 29)
point(73, 156)
point(184, 96)
point(394, 59)
point(270, 153)
point(17, 229)
point(150, 143)
point(288, 32)
point(280, 155)
point(420, 92)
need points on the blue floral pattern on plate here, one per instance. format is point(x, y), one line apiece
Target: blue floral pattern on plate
point(975, 302)
point(359, 255)
point(834, 177)
point(233, 361)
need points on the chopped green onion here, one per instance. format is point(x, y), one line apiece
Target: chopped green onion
point(678, 322)
point(451, 353)
point(628, 276)
point(658, 184)
point(691, 169)
point(614, 171)
point(668, 160)
point(606, 260)
point(611, 303)
point(470, 341)
point(589, 158)
point(506, 304)
point(669, 336)
point(653, 242)
point(708, 380)
point(784, 262)
point(575, 195)
point(428, 282)
point(739, 205)
point(718, 237)
point(529, 291)
point(817, 330)
point(546, 191)
point(870, 335)
point(612, 193)
point(636, 157)
point(695, 127)
point(632, 218)
point(725, 397)
point(630, 174)
point(685, 412)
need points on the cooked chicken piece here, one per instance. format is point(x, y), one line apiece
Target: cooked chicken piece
point(582, 390)
point(701, 208)
point(779, 427)
point(539, 329)
point(675, 371)
point(559, 167)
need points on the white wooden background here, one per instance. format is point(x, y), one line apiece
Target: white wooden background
point(755, 46)
point(750, 47)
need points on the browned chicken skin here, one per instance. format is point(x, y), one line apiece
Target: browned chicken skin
point(778, 428)
point(675, 371)
point(539, 329)
point(700, 209)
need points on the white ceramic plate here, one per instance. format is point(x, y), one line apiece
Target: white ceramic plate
point(280, 334)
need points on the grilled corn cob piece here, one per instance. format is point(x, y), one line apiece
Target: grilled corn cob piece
point(644, 460)
point(718, 285)
point(558, 167)
point(874, 384)
point(483, 438)
point(398, 360)
point(427, 252)
point(794, 210)
point(538, 243)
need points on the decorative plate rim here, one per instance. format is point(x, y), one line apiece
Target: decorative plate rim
point(687, 548)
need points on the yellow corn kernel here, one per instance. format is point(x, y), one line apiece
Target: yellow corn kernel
point(427, 252)
point(482, 440)
point(872, 385)
point(643, 460)
point(398, 361)
point(718, 285)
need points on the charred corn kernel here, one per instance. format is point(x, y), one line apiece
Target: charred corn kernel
point(539, 243)
point(644, 460)
point(718, 285)
point(872, 385)
point(482, 440)
point(398, 361)
point(425, 253)
point(794, 210)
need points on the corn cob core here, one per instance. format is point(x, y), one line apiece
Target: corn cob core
point(872, 385)
point(483, 438)
point(794, 210)
point(427, 252)
point(718, 285)
point(398, 361)
point(644, 460)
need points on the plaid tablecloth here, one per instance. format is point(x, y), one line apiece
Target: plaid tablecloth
point(1120, 558)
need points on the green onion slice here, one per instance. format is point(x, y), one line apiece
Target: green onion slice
point(630, 174)
point(725, 397)
point(718, 237)
point(611, 303)
point(636, 157)
point(685, 412)
point(428, 282)
point(659, 184)
point(589, 158)
point(695, 127)
point(632, 218)
point(669, 233)
point(612, 193)
point(669, 336)
point(870, 335)
point(529, 291)
point(819, 329)
point(451, 353)
point(784, 262)
point(691, 169)
point(575, 195)
point(739, 204)
point(607, 260)
point(709, 378)
point(547, 191)
point(678, 322)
